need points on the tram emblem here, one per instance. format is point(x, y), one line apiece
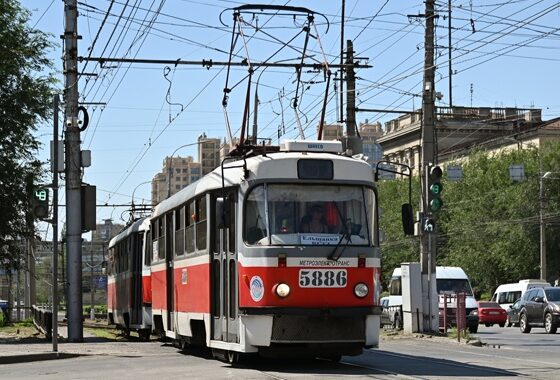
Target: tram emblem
point(257, 288)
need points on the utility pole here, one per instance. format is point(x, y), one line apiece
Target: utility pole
point(353, 142)
point(55, 228)
point(449, 43)
point(428, 246)
point(342, 17)
point(73, 174)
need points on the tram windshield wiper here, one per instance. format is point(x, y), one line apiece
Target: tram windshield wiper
point(346, 234)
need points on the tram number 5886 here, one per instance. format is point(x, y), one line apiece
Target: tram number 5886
point(322, 278)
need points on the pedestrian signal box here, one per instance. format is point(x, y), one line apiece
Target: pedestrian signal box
point(40, 203)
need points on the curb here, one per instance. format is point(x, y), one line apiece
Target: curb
point(26, 358)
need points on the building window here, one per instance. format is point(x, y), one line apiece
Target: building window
point(185, 170)
point(185, 179)
point(195, 171)
point(178, 187)
point(177, 170)
point(177, 179)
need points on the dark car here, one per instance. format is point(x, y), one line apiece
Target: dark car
point(540, 307)
point(513, 313)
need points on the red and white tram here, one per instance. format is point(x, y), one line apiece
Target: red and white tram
point(240, 264)
point(129, 290)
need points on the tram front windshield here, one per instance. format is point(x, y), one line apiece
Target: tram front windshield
point(288, 214)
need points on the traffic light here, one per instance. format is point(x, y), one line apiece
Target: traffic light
point(435, 189)
point(40, 203)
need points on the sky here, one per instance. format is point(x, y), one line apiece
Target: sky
point(504, 54)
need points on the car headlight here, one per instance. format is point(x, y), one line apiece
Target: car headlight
point(556, 308)
point(361, 290)
point(282, 290)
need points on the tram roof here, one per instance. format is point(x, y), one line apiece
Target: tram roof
point(272, 166)
point(141, 224)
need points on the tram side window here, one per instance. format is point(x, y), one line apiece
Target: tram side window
point(190, 217)
point(148, 249)
point(201, 215)
point(180, 231)
point(161, 238)
point(157, 240)
point(255, 216)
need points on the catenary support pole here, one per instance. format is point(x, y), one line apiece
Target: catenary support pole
point(427, 250)
point(73, 174)
point(55, 227)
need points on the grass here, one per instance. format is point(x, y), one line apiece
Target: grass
point(111, 334)
point(465, 334)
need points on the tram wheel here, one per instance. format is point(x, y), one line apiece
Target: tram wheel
point(144, 334)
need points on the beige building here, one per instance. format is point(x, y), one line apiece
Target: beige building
point(332, 131)
point(106, 231)
point(176, 174)
point(460, 129)
point(208, 153)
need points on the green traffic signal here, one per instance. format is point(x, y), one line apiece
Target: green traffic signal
point(436, 204)
point(435, 188)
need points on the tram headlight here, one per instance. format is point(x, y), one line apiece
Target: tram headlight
point(361, 290)
point(282, 290)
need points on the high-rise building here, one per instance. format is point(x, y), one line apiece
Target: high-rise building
point(176, 174)
point(208, 153)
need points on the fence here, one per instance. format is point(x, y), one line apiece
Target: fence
point(452, 312)
point(42, 319)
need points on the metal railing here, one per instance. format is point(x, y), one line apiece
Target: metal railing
point(42, 319)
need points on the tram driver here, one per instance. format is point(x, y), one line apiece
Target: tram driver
point(314, 221)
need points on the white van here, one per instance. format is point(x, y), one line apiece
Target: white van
point(507, 294)
point(449, 280)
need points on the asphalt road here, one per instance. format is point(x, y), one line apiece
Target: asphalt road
point(507, 354)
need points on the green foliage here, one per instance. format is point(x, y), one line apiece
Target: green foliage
point(2, 320)
point(489, 225)
point(26, 84)
point(396, 248)
point(98, 309)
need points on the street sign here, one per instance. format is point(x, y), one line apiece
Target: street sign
point(429, 225)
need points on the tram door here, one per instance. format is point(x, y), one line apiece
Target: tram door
point(169, 270)
point(225, 325)
point(136, 289)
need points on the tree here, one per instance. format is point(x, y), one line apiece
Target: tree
point(26, 88)
point(489, 225)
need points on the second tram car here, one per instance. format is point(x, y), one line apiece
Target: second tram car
point(275, 253)
point(129, 290)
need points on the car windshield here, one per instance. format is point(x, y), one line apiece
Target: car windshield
point(288, 214)
point(453, 285)
point(488, 304)
point(553, 295)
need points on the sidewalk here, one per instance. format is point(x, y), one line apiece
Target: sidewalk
point(35, 348)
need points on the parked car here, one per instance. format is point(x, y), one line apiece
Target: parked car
point(385, 316)
point(513, 313)
point(540, 307)
point(391, 314)
point(490, 313)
